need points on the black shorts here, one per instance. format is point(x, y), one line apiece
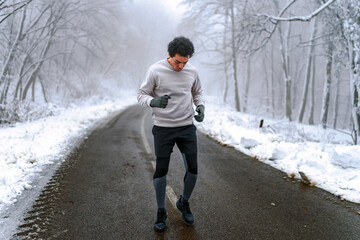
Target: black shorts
point(166, 137)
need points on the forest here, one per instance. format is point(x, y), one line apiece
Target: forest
point(297, 60)
point(55, 51)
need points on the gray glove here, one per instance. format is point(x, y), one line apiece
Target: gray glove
point(201, 113)
point(160, 102)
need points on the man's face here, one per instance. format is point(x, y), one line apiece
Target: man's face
point(178, 62)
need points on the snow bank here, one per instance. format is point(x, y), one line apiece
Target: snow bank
point(325, 157)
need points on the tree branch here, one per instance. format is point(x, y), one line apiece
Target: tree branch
point(300, 18)
point(15, 10)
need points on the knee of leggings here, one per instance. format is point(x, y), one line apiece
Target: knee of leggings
point(193, 170)
point(162, 166)
point(160, 172)
point(192, 166)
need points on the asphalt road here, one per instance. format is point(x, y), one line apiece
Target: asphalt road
point(104, 191)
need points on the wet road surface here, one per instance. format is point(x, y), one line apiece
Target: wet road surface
point(104, 191)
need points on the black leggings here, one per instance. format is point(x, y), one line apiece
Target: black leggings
point(162, 164)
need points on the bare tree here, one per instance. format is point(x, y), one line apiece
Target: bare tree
point(342, 22)
point(4, 78)
point(351, 13)
point(222, 41)
point(43, 33)
point(348, 14)
point(308, 72)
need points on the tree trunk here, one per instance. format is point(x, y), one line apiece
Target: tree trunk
point(18, 89)
point(312, 100)
point(354, 56)
point(5, 91)
point(336, 100)
point(247, 84)
point(326, 92)
point(33, 91)
point(226, 87)
point(267, 87)
point(234, 57)
point(272, 81)
point(308, 73)
point(288, 79)
point(286, 70)
point(43, 89)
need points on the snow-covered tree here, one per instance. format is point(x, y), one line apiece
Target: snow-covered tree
point(350, 13)
point(218, 35)
point(342, 25)
point(48, 45)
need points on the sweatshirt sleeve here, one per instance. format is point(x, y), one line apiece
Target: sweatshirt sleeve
point(145, 92)
point(197, 92)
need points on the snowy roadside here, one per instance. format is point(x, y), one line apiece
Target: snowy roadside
point(325, 158)
point(29, 150)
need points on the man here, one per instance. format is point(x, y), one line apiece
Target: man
point(171, 88)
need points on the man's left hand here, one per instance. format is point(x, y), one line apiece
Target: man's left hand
point(201, 113)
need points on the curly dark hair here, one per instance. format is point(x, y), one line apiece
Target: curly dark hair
point(182, 46)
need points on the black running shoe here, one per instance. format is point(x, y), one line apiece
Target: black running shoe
point(184, 208)
point(160, 224)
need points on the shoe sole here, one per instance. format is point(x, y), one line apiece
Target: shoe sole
point(186, 222)
point(160, 230)
point(178, 207)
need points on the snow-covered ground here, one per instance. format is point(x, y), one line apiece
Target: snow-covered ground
point(326, 159)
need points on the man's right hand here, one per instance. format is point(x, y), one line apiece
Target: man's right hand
point(160, 102)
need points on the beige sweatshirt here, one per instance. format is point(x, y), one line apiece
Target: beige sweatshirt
point(183, 87)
